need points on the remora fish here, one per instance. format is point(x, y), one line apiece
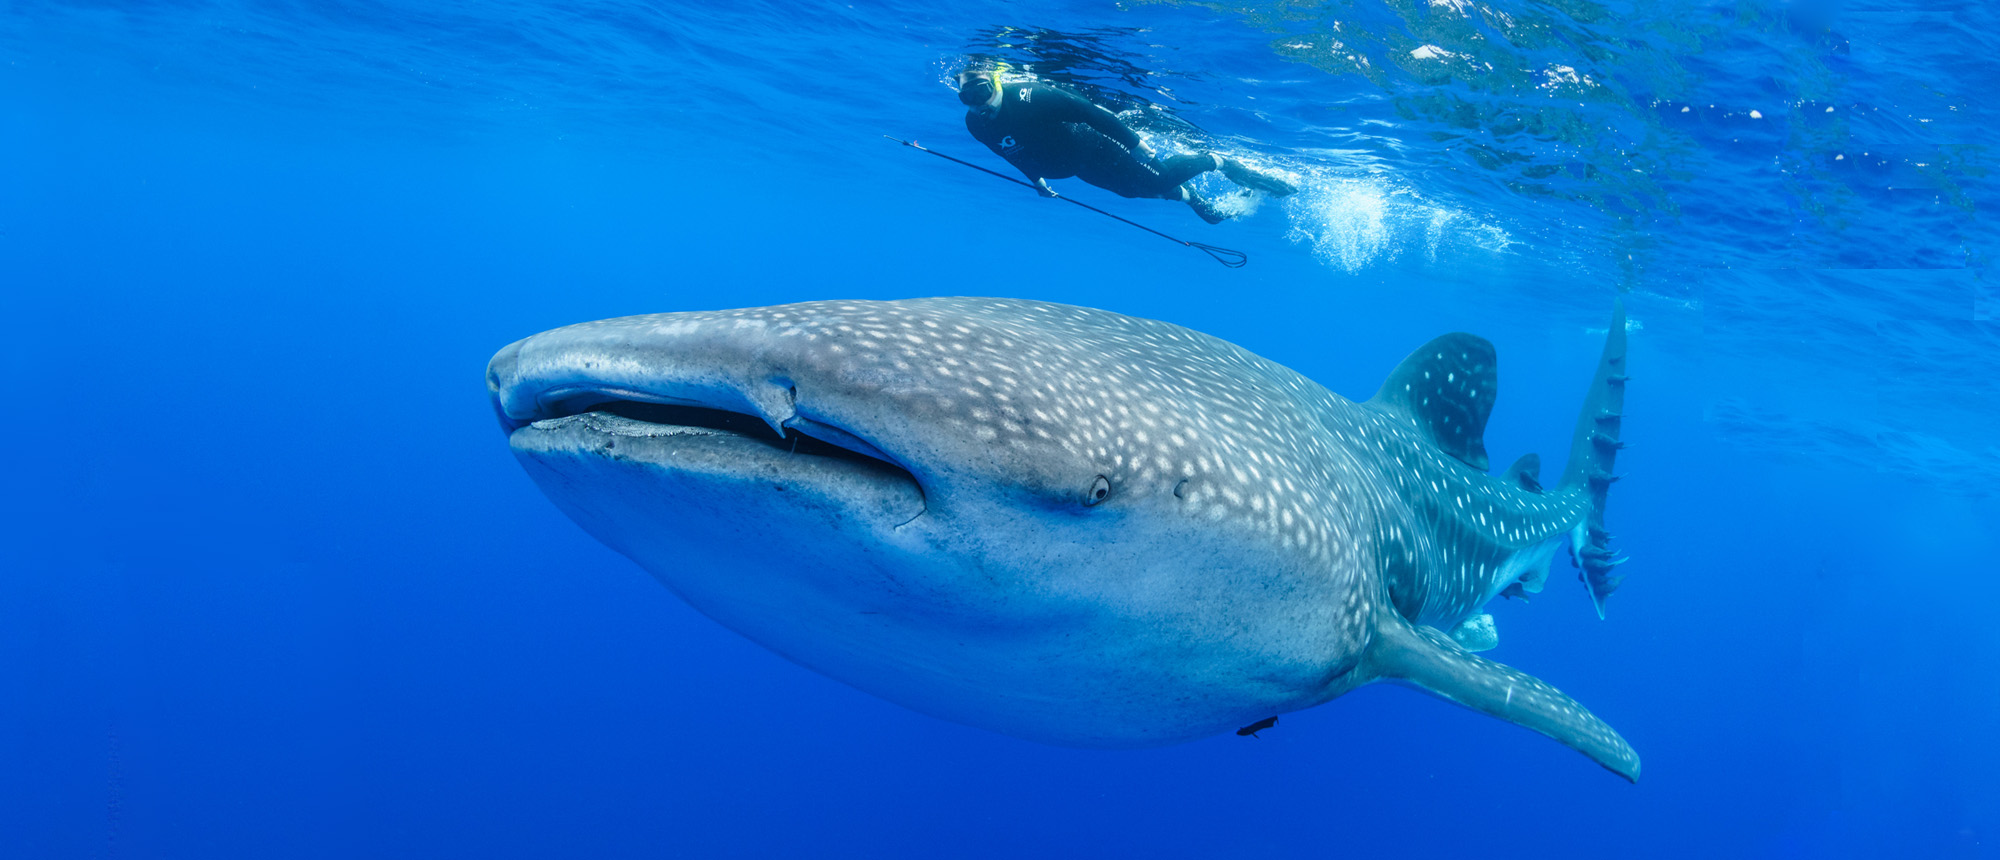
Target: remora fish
point(1066, 524)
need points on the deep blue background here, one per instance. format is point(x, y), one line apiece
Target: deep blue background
point(271, 585)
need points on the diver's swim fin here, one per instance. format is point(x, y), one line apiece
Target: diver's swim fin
point(1268, 181)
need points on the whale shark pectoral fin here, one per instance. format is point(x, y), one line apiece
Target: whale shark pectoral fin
point(1428, 660)
point(1447, 387)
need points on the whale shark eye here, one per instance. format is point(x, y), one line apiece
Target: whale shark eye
point(1098, 490)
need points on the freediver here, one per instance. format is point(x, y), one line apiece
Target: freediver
point(1050, 133)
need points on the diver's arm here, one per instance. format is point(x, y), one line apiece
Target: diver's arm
point(979, 132)
point(993, 143)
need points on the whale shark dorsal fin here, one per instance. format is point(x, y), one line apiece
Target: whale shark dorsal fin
point(1526, 472)
point(1447, 387)
point(1421, 657)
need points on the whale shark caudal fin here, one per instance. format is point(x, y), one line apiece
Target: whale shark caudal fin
point(1592, 452)
point(1421, 657)
point(1447, 387)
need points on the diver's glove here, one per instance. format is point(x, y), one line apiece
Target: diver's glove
point(1042, 188)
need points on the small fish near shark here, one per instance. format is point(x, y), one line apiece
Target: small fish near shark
point(1066, 524)
point(1250, 731)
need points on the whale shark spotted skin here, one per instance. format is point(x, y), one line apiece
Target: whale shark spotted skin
point(1061, 523)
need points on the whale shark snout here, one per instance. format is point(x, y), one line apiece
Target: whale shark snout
point(670, 362)
point(673, 413)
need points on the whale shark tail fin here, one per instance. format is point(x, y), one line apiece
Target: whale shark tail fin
point(1592, 452)
point(1423, 658)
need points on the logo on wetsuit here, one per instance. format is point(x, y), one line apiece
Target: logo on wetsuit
point(1008, 145)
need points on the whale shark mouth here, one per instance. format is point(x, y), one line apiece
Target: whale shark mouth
point(710, 421)
point(605, 413)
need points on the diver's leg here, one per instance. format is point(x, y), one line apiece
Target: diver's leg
point(1127, 175)
point(1124, 175)
point(1175, 170)
point(1178, 169)
point(1268, 181)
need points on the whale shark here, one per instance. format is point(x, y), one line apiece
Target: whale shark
point(1068, 524)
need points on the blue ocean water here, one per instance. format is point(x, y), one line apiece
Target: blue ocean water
point(272, 586)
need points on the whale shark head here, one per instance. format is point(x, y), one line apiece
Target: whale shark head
point(910, 496)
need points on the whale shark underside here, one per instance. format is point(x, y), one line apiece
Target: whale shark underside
point(1067, 524)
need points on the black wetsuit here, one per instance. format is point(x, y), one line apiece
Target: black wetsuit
point(1049, 133)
